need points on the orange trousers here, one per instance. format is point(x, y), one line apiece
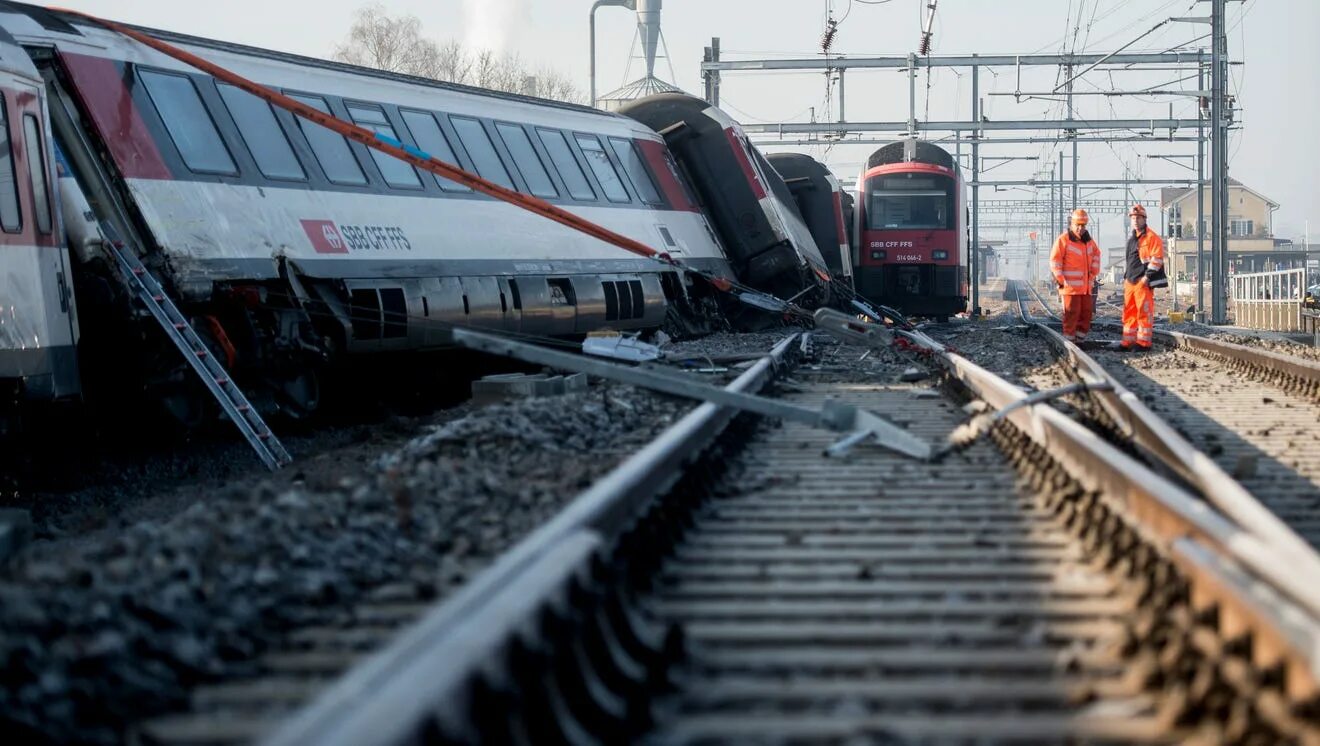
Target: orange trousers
point(1077, 312)
point(1138, 314)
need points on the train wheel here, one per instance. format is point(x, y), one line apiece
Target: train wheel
point(298, 394)
point(187, 403)
point(182, 394)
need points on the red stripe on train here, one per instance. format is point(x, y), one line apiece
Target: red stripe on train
point(908, 167)
point(838, 218)
point(740, 154)
point(654, 153)
point(100, 84)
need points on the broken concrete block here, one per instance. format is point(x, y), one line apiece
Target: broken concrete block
point(575, 382)
point(509, 385)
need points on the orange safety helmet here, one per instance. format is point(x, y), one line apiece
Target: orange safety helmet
point(1138, 210)
point(1080, 217)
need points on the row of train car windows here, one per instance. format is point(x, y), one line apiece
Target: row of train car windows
point(11, 215)
point(203, 150)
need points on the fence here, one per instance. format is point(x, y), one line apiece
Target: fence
point(1269, 300)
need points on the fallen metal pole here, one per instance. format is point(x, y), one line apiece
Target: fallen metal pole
point(834, 415)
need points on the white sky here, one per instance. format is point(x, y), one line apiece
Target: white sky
point(1277, 152)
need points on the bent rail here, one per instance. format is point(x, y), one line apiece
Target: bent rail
point(1257, 588)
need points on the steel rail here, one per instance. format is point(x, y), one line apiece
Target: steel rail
point(422, 683)
point(1302, 370)
point(423, 674)
point(1168, 448)
point(1252, 582)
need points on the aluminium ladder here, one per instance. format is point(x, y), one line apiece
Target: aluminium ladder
point(213, 374)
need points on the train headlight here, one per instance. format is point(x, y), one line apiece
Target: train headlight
point(939, 255)
point(878, 255)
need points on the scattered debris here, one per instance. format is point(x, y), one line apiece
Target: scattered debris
point(620, 347)
point(913, 374)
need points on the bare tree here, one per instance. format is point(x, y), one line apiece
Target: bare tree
point(453, 64)
point(383, 42)
point(555, 85)
point(393, 44)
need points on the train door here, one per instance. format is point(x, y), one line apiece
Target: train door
point(39, 341)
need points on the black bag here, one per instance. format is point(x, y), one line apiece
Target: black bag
point(1156, 278)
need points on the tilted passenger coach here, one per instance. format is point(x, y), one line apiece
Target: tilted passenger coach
point(288, 244)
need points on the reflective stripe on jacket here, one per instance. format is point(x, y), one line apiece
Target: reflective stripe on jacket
point(1075, 265)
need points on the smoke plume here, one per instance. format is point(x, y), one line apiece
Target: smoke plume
point(492, 24)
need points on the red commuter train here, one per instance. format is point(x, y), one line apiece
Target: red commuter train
point(910, 222)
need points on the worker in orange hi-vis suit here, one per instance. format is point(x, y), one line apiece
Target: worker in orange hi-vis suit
point(1075, 262)
point(1145, 271)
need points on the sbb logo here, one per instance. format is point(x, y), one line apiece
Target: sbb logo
point(325, 237)
point(332, 237)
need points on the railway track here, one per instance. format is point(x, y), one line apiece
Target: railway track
point(731, 583)
point(926, 601)
point(1260, 432)
point(1240, 417)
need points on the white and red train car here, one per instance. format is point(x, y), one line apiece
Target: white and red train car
point(38, 321)
point(910, 220)
point(289, 245)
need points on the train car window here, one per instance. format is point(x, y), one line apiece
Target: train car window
point(36, 158)
point(397, 173)
point(262, 133)
point(569, 170)
point(429, 137)
point(330, 147)
point(482, 151)
point(600, 165)
point(11, 219)
point(527, 160)
point(632, 163)
point(188, 122)
point(909, 202)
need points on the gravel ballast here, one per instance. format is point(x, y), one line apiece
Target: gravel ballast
point(121, 624)
point(104, 628)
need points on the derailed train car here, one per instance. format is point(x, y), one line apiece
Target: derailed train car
point(39, 328)
point(289, 246)
point(767, 243)
point(823, 205)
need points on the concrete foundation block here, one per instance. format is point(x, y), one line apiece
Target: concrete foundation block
point(506, 386)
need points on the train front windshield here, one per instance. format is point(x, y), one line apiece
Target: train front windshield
point(910, 202)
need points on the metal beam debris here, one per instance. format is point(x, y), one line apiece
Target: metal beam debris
point(834, 415)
